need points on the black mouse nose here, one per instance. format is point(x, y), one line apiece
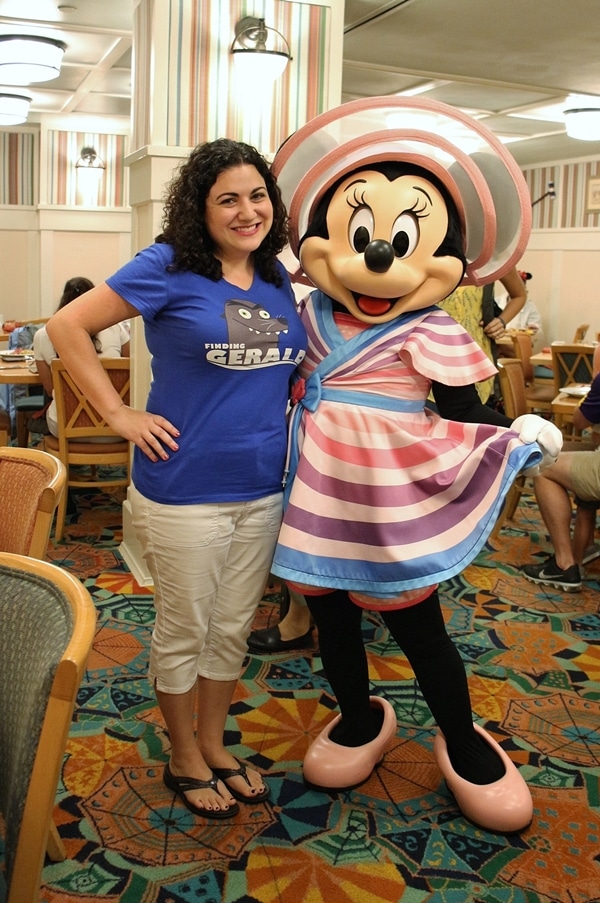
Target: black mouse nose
point(379, 256)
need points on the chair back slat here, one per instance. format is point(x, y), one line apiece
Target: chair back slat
point(581, 332)
point(571, 364)
point(84, 437)
point(523, 351)
point(512, 388)
point(77, 417)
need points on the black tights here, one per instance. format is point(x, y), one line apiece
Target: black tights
point(421, 634)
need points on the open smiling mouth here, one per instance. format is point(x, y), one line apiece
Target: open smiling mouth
point(373, 307)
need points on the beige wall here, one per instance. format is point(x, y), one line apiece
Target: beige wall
point(40, 250)
point(93, 255)
point(565, 265)
point(15, 286)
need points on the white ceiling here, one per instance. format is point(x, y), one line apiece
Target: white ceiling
point(512, 63)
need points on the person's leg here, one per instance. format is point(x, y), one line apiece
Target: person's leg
point(252, 530)
point(421, 633)
point(344, 659)
point(552, 494)
point(583, 530)
point(186, 759)
point(187, 548)
point(297, 619)
point(293, 631)
point(214, 702)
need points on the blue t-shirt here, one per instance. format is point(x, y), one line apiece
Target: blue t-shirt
point(222, 361)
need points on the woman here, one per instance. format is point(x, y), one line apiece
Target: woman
point(111, 342)
point(221, 324)
point(466, 305)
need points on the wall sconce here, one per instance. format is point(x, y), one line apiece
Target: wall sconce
point(550, 193)
point(14, 108)
point(89, 159)
point(259, 52)
point(582, 118)
point(25, 59)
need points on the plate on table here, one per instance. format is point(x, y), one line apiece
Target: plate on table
point(18, 354)
point(575, 391)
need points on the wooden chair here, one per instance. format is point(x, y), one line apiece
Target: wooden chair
point(5, 428)
point(79, 424)
point(47, 625)
point(571, 364)
point(539, 392)
point(581, 332)
point(31, 485)
point(512, 388)
point(25, 405)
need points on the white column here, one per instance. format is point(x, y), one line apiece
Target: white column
point(184, 93)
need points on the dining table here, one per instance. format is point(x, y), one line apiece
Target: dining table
point(564, 406)
point(541, 359)
point(12, 373)
point(17, 373)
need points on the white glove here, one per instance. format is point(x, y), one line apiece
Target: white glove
point(532, 428)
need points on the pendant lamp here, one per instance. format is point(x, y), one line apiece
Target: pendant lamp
point(27, 58)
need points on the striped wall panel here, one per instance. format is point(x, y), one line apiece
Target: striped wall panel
point(573, 184)
point(68, 186)
point(199, 96)
point(17, 168)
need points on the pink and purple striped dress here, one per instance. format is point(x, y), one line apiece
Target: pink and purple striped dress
point(383, 496)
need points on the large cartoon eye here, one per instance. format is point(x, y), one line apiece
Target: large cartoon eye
point(245, 314)
point(264, 314)
point(360, 228)
point(405, 235)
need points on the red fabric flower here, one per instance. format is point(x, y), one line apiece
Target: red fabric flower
point(298, 390)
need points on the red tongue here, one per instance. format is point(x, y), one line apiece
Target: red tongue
point(373, 306)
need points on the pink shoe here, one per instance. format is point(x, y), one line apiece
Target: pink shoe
point(504, 807)
point(335, 767)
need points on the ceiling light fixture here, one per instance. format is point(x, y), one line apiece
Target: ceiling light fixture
point(26, 58)
point(89, 159)
point(259, 52)
point(14, 108)
point(582, 118)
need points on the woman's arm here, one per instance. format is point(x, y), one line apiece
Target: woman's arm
point(69, 331)
point(517, 295)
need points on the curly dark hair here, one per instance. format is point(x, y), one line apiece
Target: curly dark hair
point(183, 221)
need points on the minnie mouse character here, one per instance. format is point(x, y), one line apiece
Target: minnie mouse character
point(384, 497)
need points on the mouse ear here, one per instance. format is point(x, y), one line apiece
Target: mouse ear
point(483, 178)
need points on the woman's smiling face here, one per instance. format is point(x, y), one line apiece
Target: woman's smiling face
point(239, 212)
point(379, 258)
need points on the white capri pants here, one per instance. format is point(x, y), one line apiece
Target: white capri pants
point(210, 564)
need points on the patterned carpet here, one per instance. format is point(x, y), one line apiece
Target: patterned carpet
point(534, 668)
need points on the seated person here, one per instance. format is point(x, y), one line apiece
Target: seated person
point(528, 317)
point(111, 342)
point(575, 472)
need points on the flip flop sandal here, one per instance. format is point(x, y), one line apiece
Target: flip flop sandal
point(225, 774)
point(182, 784)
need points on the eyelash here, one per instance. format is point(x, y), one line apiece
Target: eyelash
point(255, 198)
point(356, 201)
